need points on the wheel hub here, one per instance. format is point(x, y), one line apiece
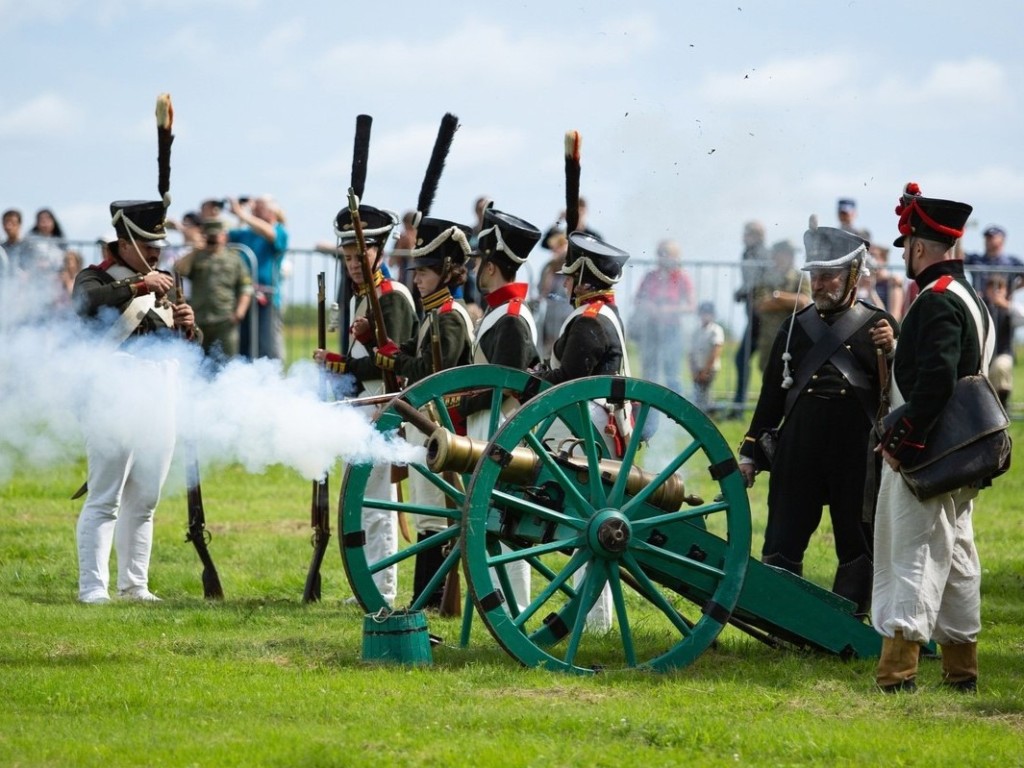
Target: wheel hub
point(609, 533)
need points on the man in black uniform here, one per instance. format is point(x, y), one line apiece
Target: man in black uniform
point(822, 384)
point(507, 334)
point(592, 343)
point(127, 298)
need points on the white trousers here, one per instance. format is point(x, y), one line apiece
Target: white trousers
point(124, 489)
point(381, 529)
point(927, 579)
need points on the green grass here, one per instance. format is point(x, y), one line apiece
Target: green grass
point(262, 679)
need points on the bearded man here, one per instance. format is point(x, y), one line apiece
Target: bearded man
point(821, 388)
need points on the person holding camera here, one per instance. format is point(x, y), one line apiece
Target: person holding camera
point(221, 290)
point(264, 233)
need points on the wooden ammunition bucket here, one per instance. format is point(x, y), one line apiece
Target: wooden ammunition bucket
point(396, 637)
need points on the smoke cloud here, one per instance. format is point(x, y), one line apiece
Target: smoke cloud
point(61, 383)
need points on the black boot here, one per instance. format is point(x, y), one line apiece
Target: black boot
point(428, 562)
point(853, 581)
point(781, 561)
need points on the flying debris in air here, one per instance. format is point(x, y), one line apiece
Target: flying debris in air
point(711, 152)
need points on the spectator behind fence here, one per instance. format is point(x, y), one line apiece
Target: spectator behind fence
point(752, 267)
point(66, 277)
point(665, 294)
point(780, 291)
point(19, 253)
point(888, 285)
point(994, 255)
point(846, 212)
point(46, 241)
point(221, 290)
point(706, 356)
point(265, 235)
point(1005, 317)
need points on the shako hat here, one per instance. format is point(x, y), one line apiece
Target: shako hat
point(377, 225)
point(929, 217)
point(506, 238)
point(440, 243)
point(589, 254)
point(143, 220)
point(832, 248)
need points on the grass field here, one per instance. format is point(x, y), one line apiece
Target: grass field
point(262, 679)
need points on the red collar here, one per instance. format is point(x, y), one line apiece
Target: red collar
point(507, 293)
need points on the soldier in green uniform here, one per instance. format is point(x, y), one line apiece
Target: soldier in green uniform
point(221, 289)
point(445, 340)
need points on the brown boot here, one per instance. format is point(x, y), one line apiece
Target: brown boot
point(960, 666)
point(897, 666)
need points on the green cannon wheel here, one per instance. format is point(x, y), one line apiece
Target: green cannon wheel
point(584, 524)
point(355, 501)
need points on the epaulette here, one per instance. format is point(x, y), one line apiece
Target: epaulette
point(446, 307)
point(515, 307)
point(942, 283)
point(593, 309)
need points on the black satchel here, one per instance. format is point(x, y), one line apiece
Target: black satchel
point(968, 445)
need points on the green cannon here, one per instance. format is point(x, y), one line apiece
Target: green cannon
point(665, 528)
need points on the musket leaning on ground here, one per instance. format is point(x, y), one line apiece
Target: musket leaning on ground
point(320, 511)
point(197, 533)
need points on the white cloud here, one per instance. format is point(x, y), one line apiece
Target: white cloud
point(781, 82)
point(45, 116)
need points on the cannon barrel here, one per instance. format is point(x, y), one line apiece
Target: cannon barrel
point(448, 452)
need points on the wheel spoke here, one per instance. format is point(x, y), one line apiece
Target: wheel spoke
point(573, 494)
point(442, 413)
point(593, 583)
point(615, 583)
point(438, 481)
point(577, 561)
point(618, 491)
point(643, 525)
point(495, 416)
point(652, 593)
point(436, 539)
point(417, 509)
point(630, 506)
point(597, 495)
point(672, 557)
point(540, 549)
point(450, 561)
point(508, 501)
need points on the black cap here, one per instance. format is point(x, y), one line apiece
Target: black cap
point(507, 238)
point(597, 258)
point(438, 241)
point(377, 225)
point(140, 220)
point(930, 217)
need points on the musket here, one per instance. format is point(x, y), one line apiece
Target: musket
point(398, 474)
point(320, 512)
point(197, 533)
point(379, 329)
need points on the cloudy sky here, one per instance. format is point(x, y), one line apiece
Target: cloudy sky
point(695, 116)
